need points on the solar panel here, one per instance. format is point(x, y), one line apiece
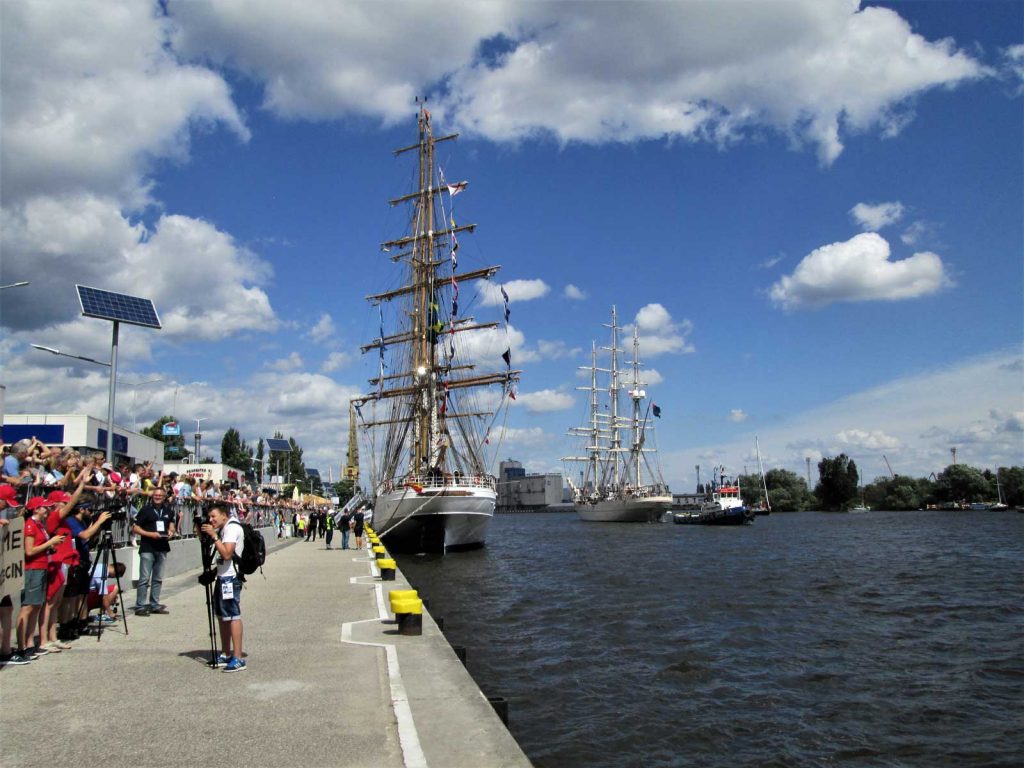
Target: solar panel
point(120, 307)
point(313, 473)
point(277, 444)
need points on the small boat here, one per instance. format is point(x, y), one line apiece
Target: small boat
point(723, 507)
point(622, 481)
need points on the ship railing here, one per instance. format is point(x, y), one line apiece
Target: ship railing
point(442, 480)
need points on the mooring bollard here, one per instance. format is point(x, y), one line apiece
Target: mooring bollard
point(379, 552)
point(500, 707)
point(387, 569)
point(460, 653)
point(409, 613)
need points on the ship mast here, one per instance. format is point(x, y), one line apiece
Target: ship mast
point(637, 394)
point(613, 397)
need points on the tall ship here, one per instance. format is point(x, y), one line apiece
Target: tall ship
point(621, 480)
point(429, 419)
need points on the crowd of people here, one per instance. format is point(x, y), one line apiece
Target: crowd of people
point(71, 501)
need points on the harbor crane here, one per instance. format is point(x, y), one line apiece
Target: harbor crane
point(887, 464)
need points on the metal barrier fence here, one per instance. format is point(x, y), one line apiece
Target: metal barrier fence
point(186, 511)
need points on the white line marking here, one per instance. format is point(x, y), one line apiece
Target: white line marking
point(408, 737)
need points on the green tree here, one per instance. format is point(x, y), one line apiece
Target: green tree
point(961, 483)
point(1011, 483)
point(234, 452)
point(787, 491)
point(344, 490)
point(174, 446)
point(837, 483)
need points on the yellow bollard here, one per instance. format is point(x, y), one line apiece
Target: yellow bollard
point(387, 569)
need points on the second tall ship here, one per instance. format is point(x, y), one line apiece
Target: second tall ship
point(621, 481)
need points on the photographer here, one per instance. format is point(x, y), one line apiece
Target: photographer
point(227, 535)
point(84, 525)
point(155, 526)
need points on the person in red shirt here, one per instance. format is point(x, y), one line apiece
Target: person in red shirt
point(64, 556)
point(38, 546)
point(8, 511)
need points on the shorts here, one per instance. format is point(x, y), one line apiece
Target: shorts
point(228, 609)
point(33, 592)
point(56, 577)
point(93, 600)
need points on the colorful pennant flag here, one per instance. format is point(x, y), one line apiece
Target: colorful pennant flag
point(507, 357)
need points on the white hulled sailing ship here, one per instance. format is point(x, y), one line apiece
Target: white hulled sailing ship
point(432, 412)
point(621, 480)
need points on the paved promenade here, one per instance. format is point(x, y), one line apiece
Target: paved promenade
point(329, 683)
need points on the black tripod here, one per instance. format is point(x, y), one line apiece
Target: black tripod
point(105, 556)
point(207, 578)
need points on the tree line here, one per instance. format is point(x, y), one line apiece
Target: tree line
point(839, 488)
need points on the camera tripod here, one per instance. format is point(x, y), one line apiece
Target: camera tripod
point(208, 578)
point(106, 556)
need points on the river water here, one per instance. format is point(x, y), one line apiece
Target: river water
point(806, 639)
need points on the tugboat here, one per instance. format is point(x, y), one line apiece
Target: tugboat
point(723, 506)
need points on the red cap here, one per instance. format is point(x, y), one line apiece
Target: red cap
point(115, 477)
point(59, 497)
point(9, 494)
point(38, 501)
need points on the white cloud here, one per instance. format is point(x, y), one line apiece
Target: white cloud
point(517, 290)
point(658, 333)
point(814, 70)
point(859, 270)
point(545, 400)
point(873, 217)
point(555, 350)
point(574, 293)
point(323, 330)
point(769, 263)
point(868, 440)
point(93, 94)
point(291, 363)
point(1014, 57)
point(913, 421)
point(204, 285)
point(916, 232)
point(737, 415)
point(334, 361)
point(531, 437)
point(486, 346)
point(651, 377)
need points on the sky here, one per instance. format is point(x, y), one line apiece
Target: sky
point(812, 212)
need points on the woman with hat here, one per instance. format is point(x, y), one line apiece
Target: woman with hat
point(38, 546)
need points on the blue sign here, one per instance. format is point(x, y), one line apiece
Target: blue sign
point(120, 441)
point(172, 429)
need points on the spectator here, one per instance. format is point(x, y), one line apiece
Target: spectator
point(155, 526)
point(64, 556)
point(84, 526)
point(38, 545)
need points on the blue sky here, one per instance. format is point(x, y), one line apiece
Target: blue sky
point(813, 210)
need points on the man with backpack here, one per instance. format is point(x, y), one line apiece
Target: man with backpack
point(229, 538)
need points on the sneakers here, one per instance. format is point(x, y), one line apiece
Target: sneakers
point(235, 665)
point(222, 660)
point(39, 651)
point(161, 609)
point(142, 612)
point(103, 618)
point(13, 659)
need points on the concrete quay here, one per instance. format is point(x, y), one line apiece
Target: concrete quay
point(329, 683)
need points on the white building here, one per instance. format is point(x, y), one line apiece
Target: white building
point(85, 433)
point(218, 473)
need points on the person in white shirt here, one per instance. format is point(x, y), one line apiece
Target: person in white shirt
point(226, 532)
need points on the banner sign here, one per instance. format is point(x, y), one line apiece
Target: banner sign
point(12, 560)
point(171, 429)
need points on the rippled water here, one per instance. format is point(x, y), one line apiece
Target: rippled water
point(881, 639)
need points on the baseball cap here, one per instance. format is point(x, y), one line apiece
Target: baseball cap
point(106, 465)
point(9, 494)
point(38, 501)
point(115, 477)
point(59, 497)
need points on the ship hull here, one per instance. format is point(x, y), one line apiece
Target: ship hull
point(632, 510)
point(434, 520)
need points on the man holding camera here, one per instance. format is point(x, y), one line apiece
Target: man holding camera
point(155, 527)
point(227, 535)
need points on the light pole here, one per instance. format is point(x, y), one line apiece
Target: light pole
point(53, 351)
point(199, 437)
point(135, 400)
point(22, 284)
